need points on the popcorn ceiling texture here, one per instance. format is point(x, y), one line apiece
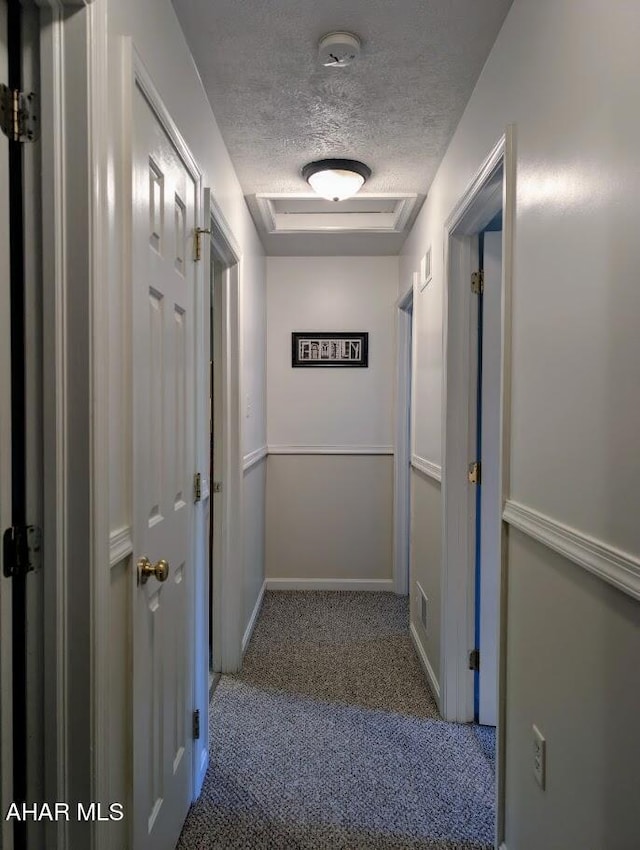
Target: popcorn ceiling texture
point(396, 108)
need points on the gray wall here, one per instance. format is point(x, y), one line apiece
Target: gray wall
point(572, 669)
point(329, 517)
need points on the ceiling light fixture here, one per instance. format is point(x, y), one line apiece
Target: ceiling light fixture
point(336, 179)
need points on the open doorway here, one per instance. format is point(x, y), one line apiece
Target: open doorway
point(478, 251)
point(488, 508)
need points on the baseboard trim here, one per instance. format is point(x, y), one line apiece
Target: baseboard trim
point(253, 458)
point(503, 846)
point(621, 569)
point(330, 450)
point(253, 619)
point(384, 584)
point(120, 545)
point(426, 665)
point(426, 467)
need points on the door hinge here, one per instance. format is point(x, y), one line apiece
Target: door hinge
point(197, 487)
point(477, 282)
point(22, 550)
point(196, 724)
point(197, 242)
point(475, 472)
point(474, 660)
point(19, 114)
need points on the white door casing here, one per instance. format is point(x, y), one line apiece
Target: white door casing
point(403, 440)
point(6, 749)
point(490, 491)
point(165, 199)
point(226, 505)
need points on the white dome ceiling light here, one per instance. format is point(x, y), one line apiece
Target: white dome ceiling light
point(336, 179)
point(338, 49)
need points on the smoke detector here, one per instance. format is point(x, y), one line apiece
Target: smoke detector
point(339, 49)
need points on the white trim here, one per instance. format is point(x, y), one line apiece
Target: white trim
point(503, 846)
point(99, 86)
point(492, 188)
point(253, 619)
point(405, 301)
point(616, 567)
point(426, 664)
point(402, 449)
point(426, 467)
point(55, 410)
point(330, 450)
point(228, 530)
point(374, 584)
point(476, 204)
point(120, 545)
point(354, 221)
point(250, 460)
point(150, 93)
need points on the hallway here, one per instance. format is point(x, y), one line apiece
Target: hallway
point(330, 738)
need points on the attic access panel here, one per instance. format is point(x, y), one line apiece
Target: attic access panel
point(330, 349)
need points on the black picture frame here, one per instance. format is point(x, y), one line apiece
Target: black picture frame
point(351, 349)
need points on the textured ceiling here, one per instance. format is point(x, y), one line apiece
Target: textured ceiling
point(396, 108)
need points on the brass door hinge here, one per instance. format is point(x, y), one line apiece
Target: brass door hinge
point(474, 474)
point(197, 487)
point(477, 282)
point(474, 660)
point(22, 550)
point(19, 114)
point(197, 243)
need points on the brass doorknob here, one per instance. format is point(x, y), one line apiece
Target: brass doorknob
point(146, 569)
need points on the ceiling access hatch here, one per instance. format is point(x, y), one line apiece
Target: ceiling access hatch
point(295, 213)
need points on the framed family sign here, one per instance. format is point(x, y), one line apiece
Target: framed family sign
point(330, 348)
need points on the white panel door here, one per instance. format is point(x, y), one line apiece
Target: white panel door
point(164, 202)
point(491, 509)
point(6, 752)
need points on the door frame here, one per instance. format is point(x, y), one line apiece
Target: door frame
point(474, 209)
point(403, 443)
point(227, 565)
point(6, 653)
point(74, 96)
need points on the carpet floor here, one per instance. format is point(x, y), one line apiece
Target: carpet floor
point(330, 739)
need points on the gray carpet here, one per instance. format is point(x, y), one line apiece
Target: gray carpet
point(329, 739)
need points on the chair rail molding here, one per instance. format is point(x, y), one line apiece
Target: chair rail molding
point(427, 467)
point(120, 545)
point(329, 450)
point(253, 458)
point(619, 568)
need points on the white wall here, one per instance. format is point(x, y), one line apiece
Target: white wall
point(332, 407)
point(565, 74)
point(329, 410)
